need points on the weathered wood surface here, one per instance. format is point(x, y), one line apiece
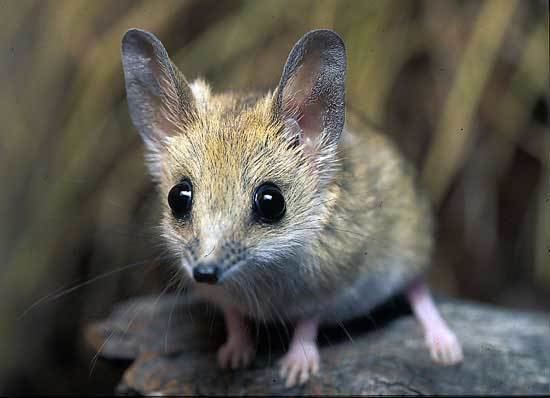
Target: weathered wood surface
point(172, 345)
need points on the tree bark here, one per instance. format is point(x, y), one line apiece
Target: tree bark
point(172, 343)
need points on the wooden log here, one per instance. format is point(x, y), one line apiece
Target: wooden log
point(172, 343)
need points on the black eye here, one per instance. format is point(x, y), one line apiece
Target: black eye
point(269, 203)
point(180, 198)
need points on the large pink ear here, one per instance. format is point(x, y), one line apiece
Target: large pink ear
point(159, 99)
point(311, 93)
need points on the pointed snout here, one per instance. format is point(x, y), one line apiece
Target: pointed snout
point(207, 273)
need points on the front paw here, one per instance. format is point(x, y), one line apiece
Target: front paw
point(235, 353)
point(300, 362)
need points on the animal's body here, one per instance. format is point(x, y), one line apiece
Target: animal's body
point(372, 233)
point(273, 209)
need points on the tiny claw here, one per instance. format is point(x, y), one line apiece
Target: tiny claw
point(291, 380)
point(444, 347)
point(299, 363)
point(239, 349)
point(442, 343)
point(236, 353)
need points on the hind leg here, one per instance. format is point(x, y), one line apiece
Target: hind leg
point(442, 342)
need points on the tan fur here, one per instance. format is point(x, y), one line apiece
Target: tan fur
point(356, 228)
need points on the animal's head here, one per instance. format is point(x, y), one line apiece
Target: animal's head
point(243, 180)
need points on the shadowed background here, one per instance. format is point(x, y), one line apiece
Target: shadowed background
point(462, 87)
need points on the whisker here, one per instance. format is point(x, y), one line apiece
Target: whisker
point(97, 354)
point(258, 311)
point(211, 314)
point(54, 296)
point(178, 292)
point(341, 325)
point(281, 321)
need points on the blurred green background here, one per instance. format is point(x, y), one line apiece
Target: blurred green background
point(462, 86)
